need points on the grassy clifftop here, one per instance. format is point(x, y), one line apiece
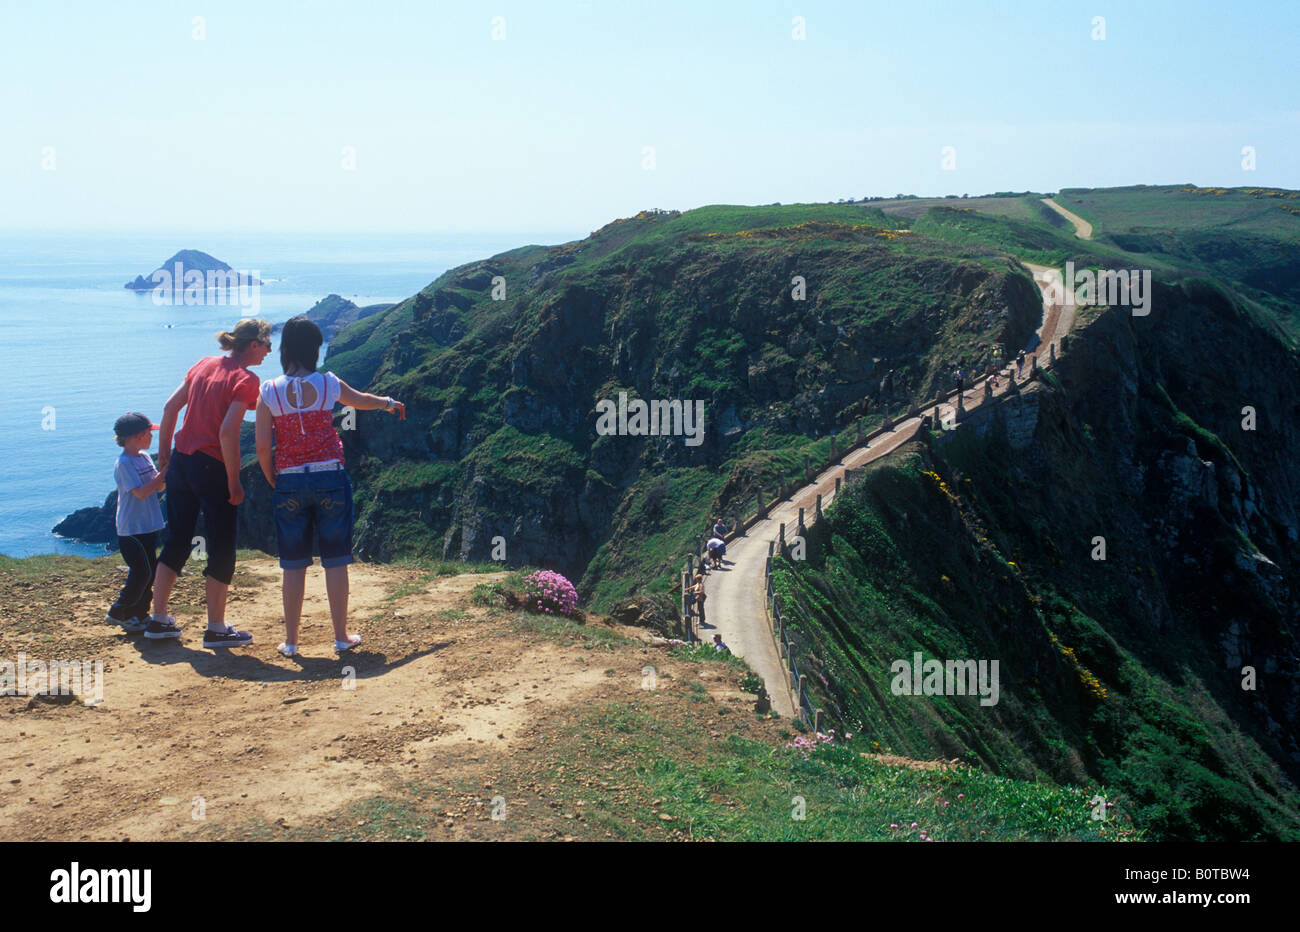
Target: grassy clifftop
point(503, 361)
point(784, 321)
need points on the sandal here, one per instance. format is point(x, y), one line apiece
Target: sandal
point(352, 641)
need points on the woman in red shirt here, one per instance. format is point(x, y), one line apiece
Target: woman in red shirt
point(313, 494)
point(203, 475)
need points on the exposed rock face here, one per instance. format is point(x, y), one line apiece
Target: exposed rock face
point(1016, 414)
point(333, 312)
point(1163, 398)
point(682, 322)
point(1148, 444)
point(95, 525)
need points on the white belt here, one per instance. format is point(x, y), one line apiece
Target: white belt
point(329, 466)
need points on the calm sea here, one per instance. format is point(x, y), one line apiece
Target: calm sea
point(77, 349)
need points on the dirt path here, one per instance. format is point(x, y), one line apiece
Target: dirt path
point(440, 690)
point(1082, 228)
point(737, 603)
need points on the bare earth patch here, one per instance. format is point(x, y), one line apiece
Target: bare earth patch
point(440, 693)
point(893, 760)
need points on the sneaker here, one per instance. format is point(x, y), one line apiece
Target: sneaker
point(162, 626)
point(228, 638)
point(134, 625)
point(289, 650)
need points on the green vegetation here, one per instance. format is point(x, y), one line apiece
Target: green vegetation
point(750, 791)
point(956, 559)
point(698, 305)
point(661, 520)
point(564, 631)
point(956, 550)
point(1014, 206)
point(1029, 239)
point(1249, 237)
point(673, 783)
point(1264, 211)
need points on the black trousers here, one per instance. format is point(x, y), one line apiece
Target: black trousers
point(197, 483)
point(140, 551)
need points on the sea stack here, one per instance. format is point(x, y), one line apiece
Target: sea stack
point(191, 268)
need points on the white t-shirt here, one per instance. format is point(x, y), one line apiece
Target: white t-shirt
point(284, 393)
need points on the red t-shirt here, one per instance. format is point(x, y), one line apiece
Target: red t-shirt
point(215, 382)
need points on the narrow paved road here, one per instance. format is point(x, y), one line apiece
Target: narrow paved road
point(1082, 228)
point(736, 606)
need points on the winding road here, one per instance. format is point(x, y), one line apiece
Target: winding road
point(737, 593)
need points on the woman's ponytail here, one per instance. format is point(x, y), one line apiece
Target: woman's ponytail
point(248, 331)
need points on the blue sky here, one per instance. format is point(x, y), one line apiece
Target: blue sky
point(245, 129)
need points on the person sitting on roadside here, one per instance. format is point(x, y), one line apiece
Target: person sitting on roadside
point(719, 646)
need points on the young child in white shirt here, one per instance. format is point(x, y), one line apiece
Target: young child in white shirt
point(139, 519)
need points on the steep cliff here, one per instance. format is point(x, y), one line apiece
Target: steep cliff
point(1123, 539)
point(787, 324)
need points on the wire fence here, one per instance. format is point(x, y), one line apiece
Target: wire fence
point(803, 703)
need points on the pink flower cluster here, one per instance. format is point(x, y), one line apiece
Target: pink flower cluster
point(551, 593)
point(925, 836)
point(806, 746)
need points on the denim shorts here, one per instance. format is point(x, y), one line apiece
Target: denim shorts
point(313, 505)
